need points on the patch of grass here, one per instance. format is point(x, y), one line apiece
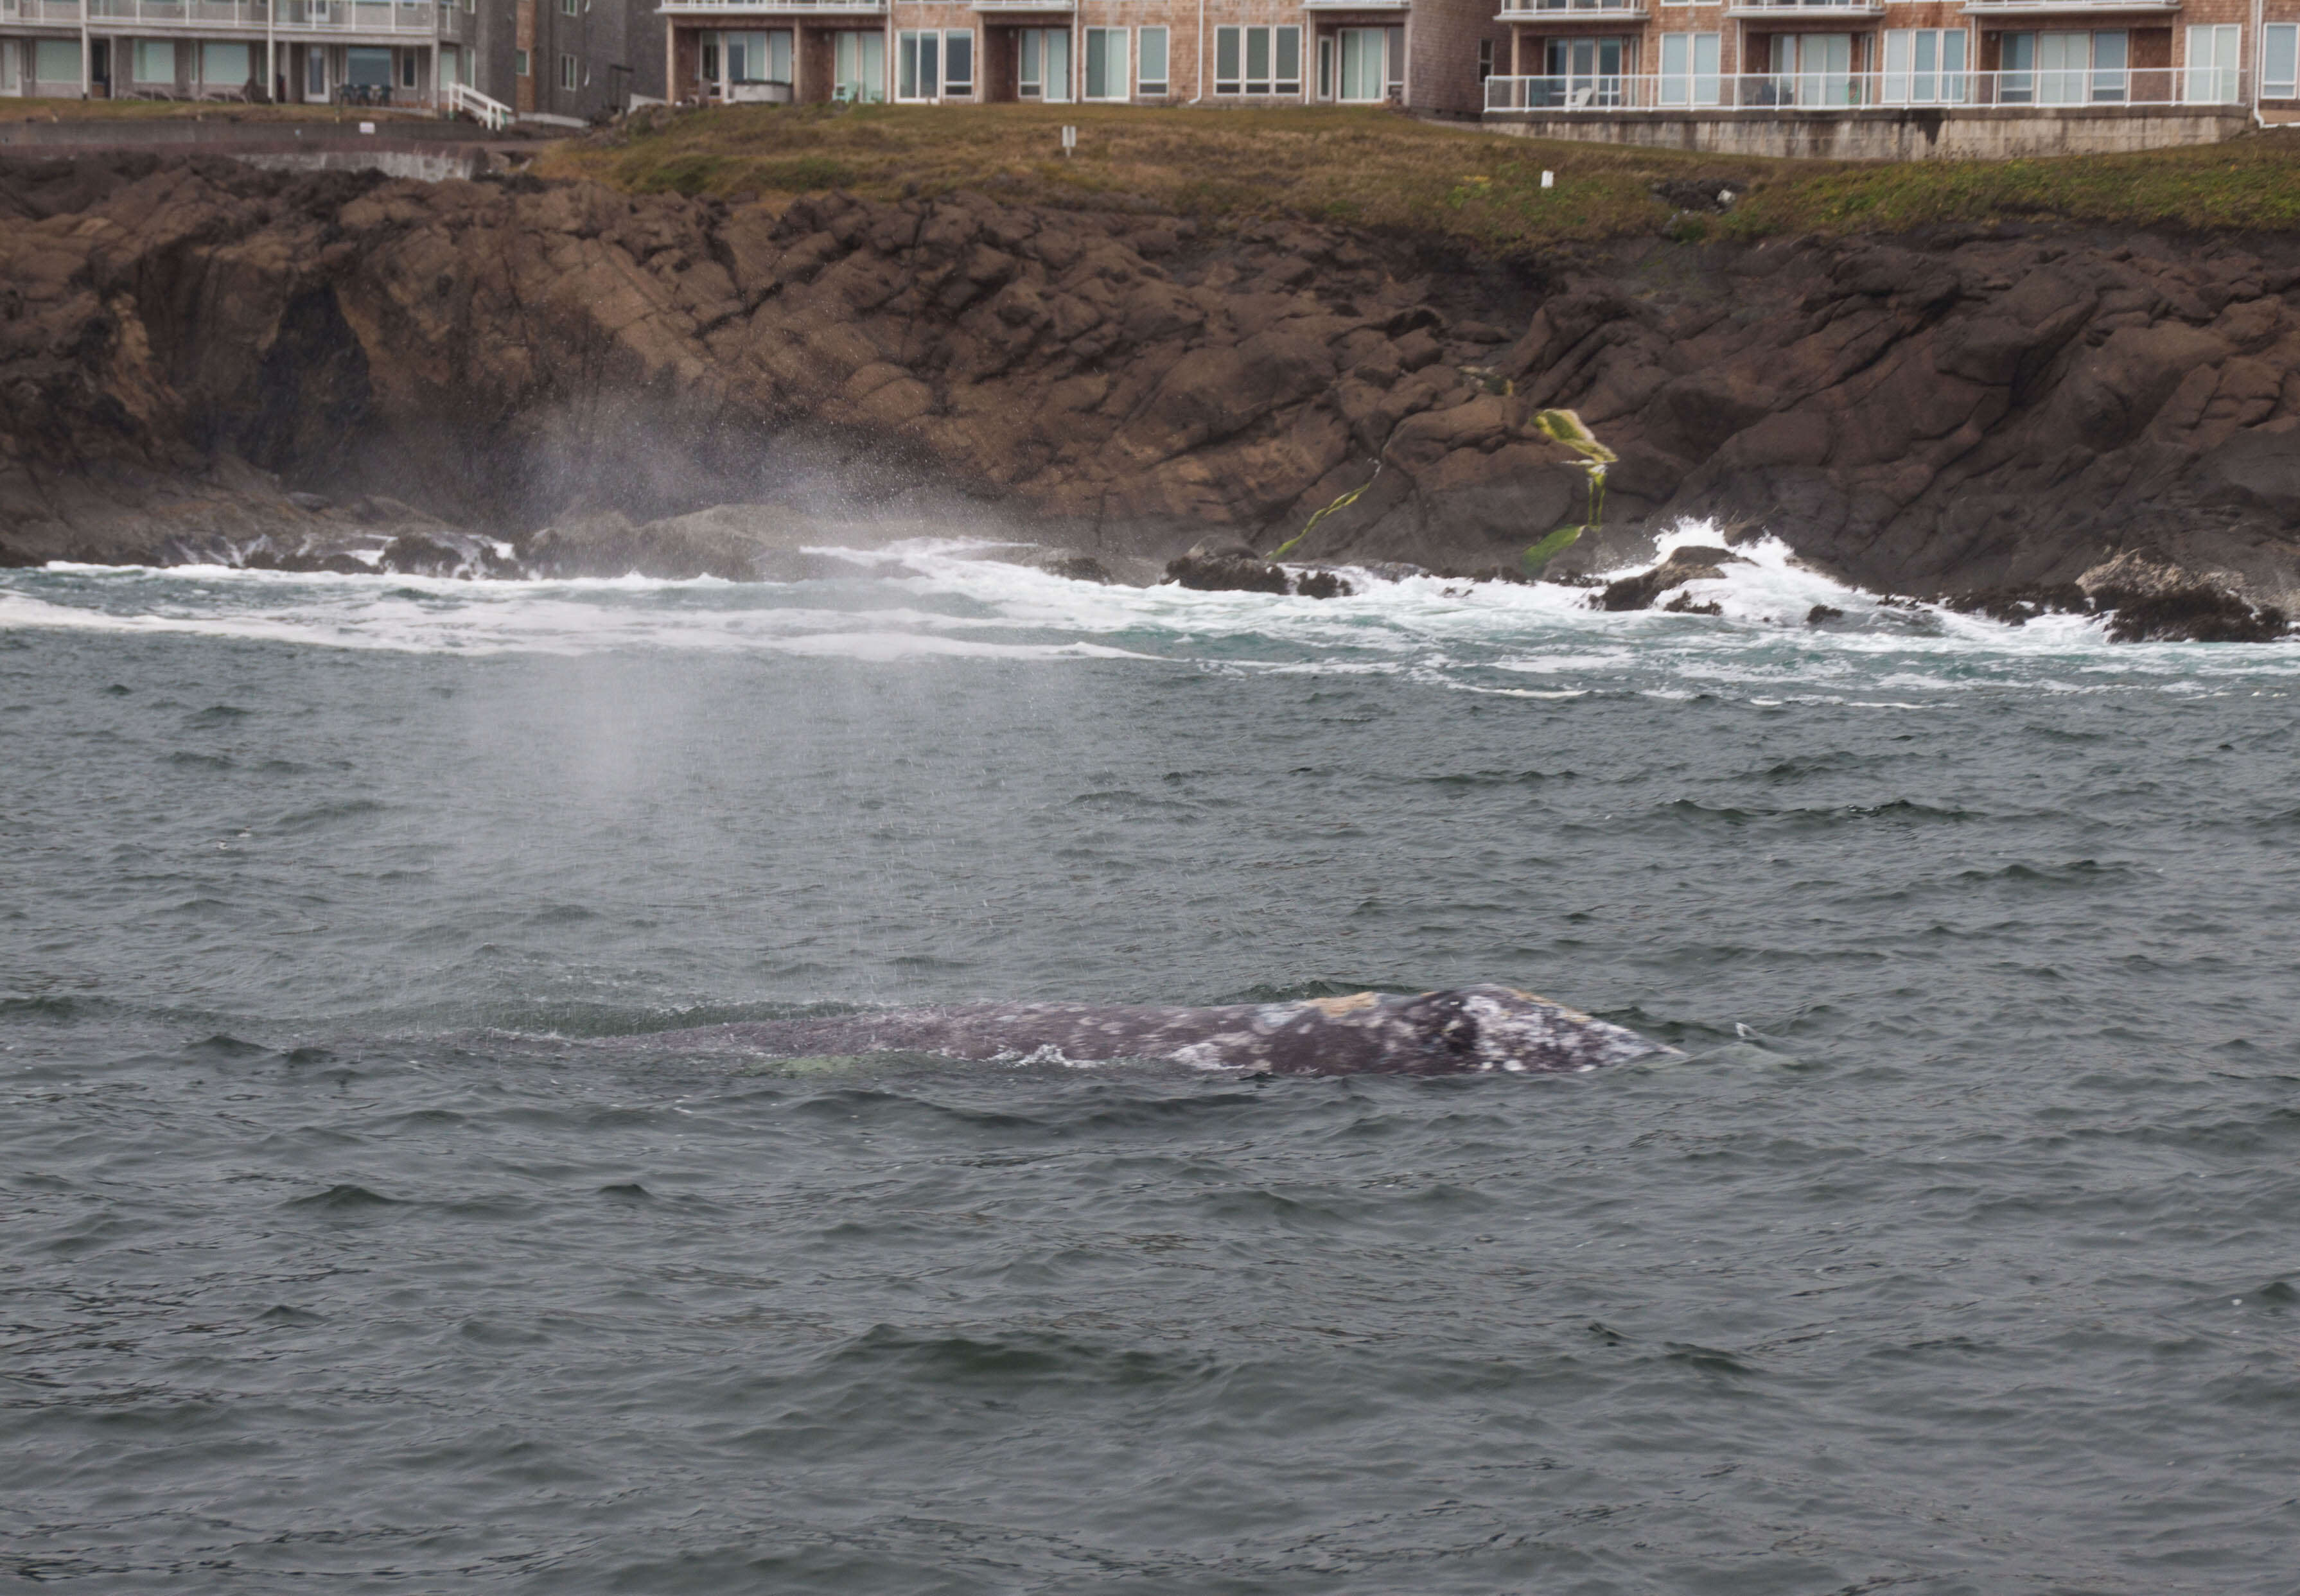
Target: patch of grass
point(1377, 170)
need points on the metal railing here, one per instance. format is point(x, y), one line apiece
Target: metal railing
point(1024, 4)
point(2041, 90)
point(422, 18)
point(1518, 10)
point(719, 8)
point(2000, 7)
point(1831, 8)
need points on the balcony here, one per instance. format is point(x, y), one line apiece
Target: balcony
point(298, 19)
point(1777, 92)
point(1797, 11)
point(2030, 8)
point(1357, 5)
point(995, 6)
point(1572, 11)
point(719, 9)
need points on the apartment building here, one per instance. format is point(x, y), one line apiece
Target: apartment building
point(572, 59)
point(373, 52)
point(1613, 58)
point(1427, 54)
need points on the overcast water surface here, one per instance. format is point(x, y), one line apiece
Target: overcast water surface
point(351, 1244)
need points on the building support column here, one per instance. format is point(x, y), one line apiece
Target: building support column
point(1406, 76)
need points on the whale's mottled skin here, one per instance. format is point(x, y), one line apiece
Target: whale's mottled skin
point(1471, 1030)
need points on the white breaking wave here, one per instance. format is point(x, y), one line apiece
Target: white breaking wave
point(1539, 642)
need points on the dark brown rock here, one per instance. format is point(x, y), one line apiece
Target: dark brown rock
point(1692, 564)
point(197, 359)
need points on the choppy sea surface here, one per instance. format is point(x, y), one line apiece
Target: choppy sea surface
point(355, 1238)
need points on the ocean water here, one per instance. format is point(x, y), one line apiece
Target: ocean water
point(358, 1239)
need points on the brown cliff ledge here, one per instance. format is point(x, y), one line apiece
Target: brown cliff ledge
point(190, 350)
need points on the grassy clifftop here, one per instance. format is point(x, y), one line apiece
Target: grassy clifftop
point(1381, 170)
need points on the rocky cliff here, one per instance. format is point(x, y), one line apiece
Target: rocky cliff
point(198, 360)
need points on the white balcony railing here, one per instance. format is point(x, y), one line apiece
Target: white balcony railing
point(399, 18)
point(996, 6)
point(2027, 7)
point(1519, 11)
point(783, 8)
point(1357, 5)
point(2054, 90)
point(1804, 8)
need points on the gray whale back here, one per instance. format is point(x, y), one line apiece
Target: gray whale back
point(1464, 1031)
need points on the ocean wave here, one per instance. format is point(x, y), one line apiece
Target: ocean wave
point(954, 603)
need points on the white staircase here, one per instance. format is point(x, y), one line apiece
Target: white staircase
point(493, 115)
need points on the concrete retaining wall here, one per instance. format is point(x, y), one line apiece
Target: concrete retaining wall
point(1963, 134)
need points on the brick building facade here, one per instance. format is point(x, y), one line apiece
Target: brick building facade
point(1601, 55)
point(1427, 54)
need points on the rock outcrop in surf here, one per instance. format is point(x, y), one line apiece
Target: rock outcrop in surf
point(198, 360)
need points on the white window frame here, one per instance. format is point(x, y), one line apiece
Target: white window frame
point(1034, 50)
point(522, 64)
point(909, 49)
point(1925, 66)
point(852, 47)
point(1149, 88)
point(2279, 61)
point(567, 80)
point(1240, 45)
point(137, 58)
point(1114, 85)
point(1692, 78)
point(2215, 82)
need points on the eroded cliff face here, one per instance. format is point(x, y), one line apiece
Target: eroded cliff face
point(185, 346)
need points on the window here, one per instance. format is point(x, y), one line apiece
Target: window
point(1689, 69)
point(55, 61)
point(1362, 76)
point(1397, 64)
point(1484, 58)
point(156, 60)
point(518, 64)
point(1106, 63)
point(1150, 62)
point(758, 58)
point(567, 8)
point(567, 71)
point(2279, 61)
point(1812, 69)
point(2062, 69)
point(932, 64)
point(1580, 74)
point(1325, 66)
point(223, 65)
point(918, 66)
point(1270, 58)
point(2212, 64)
point(858, 66)
point(1044, 68)
point(1924, 66)
point(407, 69)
